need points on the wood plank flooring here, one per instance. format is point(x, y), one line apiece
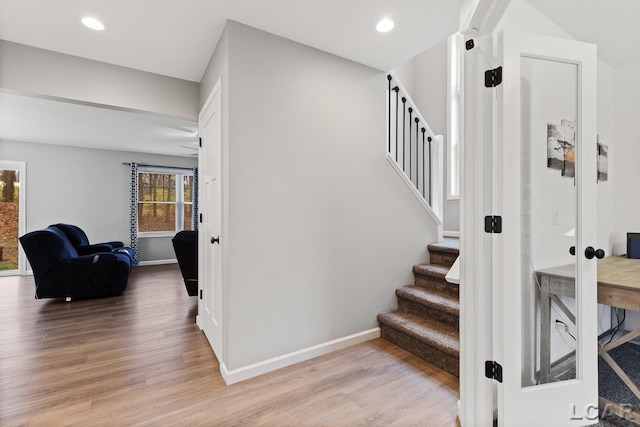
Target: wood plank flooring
point(139, 359)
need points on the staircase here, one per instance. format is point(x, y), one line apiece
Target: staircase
point(426, 320)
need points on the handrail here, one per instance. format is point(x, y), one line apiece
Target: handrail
point(413, 140)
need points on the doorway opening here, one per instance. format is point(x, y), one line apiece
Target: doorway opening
point(12, 222)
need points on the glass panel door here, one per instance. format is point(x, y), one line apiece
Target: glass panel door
point(549, 98)
point(546, 289)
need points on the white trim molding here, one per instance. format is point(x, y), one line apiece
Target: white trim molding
point(279, 362)
point(157, 262)
point(434, 215)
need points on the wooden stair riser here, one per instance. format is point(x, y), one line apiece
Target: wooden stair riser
point(437, 284)
point(428, 312)
point(445, 259)
point(431, 354)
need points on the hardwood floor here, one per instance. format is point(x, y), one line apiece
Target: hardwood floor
point(139, 359)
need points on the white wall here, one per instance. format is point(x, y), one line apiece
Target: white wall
point(28, 69)
point(425, 78)
point(85, 187)
point(321, 229)
point(623, 162)
point(624, 159)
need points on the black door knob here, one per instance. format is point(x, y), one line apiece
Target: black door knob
point(215, 240)
point(572, 250)
point(590, 253)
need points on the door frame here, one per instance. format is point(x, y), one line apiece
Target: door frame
point(219, 91)
point(477, 404)
point(22, 213)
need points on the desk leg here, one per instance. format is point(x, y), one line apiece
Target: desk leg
point(603, 352)
point(623, 411)
point(545, 330)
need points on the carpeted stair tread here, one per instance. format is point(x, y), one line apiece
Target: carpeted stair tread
point(432, 270)
point(426, 322)
point(441, 337)
point(448, 245)
point(432, 299)
point(443, 249)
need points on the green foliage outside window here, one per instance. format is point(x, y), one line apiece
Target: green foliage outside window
point(159, 199)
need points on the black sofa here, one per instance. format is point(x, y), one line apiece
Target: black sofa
point(60, 272)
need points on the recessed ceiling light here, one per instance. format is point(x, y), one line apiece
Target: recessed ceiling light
point(92, 23)
point(385, 25)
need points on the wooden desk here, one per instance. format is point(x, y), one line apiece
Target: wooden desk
point(618, 286)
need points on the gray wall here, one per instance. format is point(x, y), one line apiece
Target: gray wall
point(321, 230)
point(28, 69)
point(85, 187)
point(218, 67)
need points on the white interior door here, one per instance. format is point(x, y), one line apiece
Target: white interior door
point(546, 195)
point(210, 316)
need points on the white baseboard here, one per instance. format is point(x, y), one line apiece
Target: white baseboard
point(7, 273)
point(451, 234)
point(250, 371)
point(158, 262)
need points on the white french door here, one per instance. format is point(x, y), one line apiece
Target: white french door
point(210, 306)
point(545, 192)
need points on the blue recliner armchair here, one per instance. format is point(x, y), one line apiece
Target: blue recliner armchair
point(80, 242)
point(60, 272)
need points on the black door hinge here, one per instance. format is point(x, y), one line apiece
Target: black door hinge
point(200, 217)
point(200, 293)
point(200, 142)
point(493, 78)
point(493, 370)
point(493, 224)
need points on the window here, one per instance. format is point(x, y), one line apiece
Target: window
point(453, 153)
point(165, 200)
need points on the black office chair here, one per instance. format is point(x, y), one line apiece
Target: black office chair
point(185, 245)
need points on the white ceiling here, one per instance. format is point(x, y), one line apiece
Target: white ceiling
point(613, 25)
point(49, 121)
point(176, 38)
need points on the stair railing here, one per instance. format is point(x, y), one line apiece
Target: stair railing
point(414, 150)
